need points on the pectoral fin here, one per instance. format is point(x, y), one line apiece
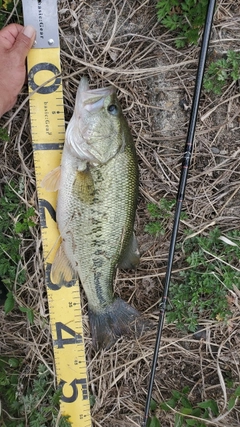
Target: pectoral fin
point(62, 271)
point(83, 186)
point(131, 256)
point(52, 180)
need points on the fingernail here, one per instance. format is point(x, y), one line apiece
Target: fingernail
point(29, 31)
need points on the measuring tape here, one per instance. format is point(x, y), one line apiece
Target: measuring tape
point(48, 134)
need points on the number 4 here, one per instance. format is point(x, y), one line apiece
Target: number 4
point(60, 341)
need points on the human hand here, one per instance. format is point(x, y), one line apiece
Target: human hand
point(15, 43)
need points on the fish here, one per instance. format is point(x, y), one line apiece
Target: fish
point(97, 184)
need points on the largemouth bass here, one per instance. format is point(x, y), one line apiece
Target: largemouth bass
point(97, 185)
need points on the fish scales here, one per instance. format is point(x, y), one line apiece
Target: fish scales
point(98, 231)
point(97, 187)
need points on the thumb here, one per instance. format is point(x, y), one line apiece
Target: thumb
point(24, 42)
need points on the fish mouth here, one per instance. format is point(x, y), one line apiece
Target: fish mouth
point(91, 100)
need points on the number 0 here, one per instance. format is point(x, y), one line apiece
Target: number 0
point(44, 66)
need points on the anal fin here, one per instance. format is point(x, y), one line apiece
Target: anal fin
point(62, 272)
point(131, 256)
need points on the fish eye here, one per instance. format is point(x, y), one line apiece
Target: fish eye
point(113, 109)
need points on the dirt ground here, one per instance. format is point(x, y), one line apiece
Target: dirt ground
point(121, 43)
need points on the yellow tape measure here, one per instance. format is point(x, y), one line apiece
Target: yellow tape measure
point(48, 133)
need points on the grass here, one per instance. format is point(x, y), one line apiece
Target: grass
point(222, 72)
point(160, 214)
point(37, 405)
point(185, 18)
point(209, 281)
point(14, 226)
point(205, 285)
point(10, 11)
point(111, 43)
point(187, 413)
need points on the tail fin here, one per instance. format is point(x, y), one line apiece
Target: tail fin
point(116, 320)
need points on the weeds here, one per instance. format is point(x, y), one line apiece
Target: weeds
point(14, 225)
point(34, 406)
point(4, 135)
point(115, 394)
point(209, 275)
point(184, 408)
point(159, 215)
point(205, 284)
point(186, 17)
point(221, 72)
point(7, 7)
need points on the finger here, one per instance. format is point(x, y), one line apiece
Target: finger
point(9, 34)
point(23, 43)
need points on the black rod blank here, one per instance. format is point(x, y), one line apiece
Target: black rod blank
point(180, 195)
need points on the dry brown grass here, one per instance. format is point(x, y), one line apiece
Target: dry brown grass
point(121, 43)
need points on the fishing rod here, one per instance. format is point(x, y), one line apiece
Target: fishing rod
point(180, 194)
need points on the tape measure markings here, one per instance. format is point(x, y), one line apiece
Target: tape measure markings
point(48, 146)
point(48, 134)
